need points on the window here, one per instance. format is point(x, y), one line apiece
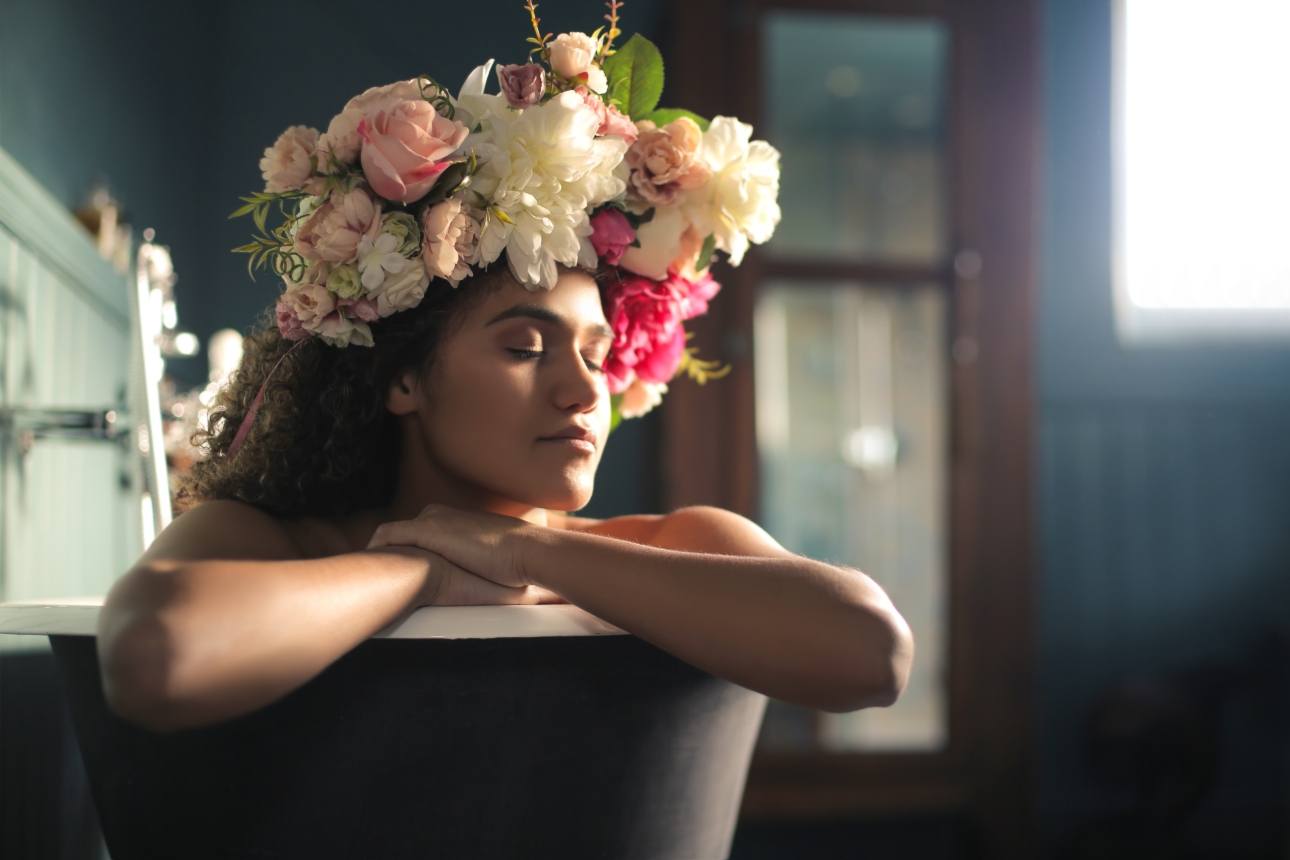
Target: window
point(1201, 169)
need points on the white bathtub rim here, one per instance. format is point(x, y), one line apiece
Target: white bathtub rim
point(78, 616)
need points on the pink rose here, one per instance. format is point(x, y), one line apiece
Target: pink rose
point(405, 149)
point(360, 309)
point(523, 85)
point(449, 240)
point(611, 234)
point(649, 339)
point(332, 231)
point(311, 303)
point(664, 161)
point(288, 323)
point(612, 120)
point(286, 165)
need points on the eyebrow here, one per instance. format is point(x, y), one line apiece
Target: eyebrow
point(538, 312)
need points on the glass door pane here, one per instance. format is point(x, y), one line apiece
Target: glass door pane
point(855, 104)
point(852, 430)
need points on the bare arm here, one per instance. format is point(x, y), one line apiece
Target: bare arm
point(222, 616)
point(717, 591)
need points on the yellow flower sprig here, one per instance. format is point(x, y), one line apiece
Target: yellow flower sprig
point(607, 44)
point(698, 369)
point(537, 39)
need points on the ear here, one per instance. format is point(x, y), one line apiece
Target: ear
point(402, 396)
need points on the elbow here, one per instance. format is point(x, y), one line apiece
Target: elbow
point(137, 651)
point(887, 658)
point(135, 667)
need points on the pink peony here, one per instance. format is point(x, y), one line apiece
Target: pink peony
point(611, 234)
point(405, 149)
point(646, 317)
point(648, 336)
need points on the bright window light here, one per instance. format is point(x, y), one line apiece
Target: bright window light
point(1202, 166)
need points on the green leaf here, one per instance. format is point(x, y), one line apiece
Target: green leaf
point(615, 417)
point(705, 254)
point(635, 75)
point(241, 210)
point(663, 116)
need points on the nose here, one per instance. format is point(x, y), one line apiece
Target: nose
point(578, 388)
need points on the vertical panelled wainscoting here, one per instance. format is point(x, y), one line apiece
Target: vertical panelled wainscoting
point(69, 519)
point(1166, 616)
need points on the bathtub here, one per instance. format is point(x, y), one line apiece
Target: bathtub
point(457, 732)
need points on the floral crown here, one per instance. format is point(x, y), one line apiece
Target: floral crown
point(571, 163)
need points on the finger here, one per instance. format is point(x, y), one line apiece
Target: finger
point(462, 588)
point(398, 532)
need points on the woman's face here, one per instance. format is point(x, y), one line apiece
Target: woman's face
point(520, 368)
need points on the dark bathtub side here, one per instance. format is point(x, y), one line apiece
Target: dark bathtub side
point(570, 747)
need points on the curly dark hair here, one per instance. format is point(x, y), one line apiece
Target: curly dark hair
point(323, 443)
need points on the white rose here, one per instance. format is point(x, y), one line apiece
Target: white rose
point(571, 54)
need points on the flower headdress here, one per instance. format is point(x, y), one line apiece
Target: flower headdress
point(571, 163)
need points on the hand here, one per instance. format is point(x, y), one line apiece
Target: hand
point(449, 585)
point(483, 544)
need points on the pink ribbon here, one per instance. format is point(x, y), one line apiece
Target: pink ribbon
point(255, 405)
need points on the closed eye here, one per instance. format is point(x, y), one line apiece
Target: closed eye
point(527, 354)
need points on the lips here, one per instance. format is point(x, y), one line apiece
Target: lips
point(575, 432)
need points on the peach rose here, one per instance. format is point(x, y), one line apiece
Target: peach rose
point(405, 149)
point(332, 231)
point(286, 165)
point(663, 160)
point(449, 240)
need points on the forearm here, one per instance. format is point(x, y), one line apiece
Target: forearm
point(211, 640)
point(795, 629)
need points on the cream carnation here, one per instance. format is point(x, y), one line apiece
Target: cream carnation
point(541, 170)
point(287, 164)
point(738, 203)
point(400, 290)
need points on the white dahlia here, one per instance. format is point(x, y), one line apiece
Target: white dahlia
point(541, 170)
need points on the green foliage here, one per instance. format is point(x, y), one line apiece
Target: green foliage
point(615, 417)
point(662, 116)
point(705, 254)
point(635, 77)
point(270, 247)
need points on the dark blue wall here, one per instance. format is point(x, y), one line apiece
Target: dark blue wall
point(1163, 486)
point(175, 103)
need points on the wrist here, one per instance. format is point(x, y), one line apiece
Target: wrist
point(526, 550)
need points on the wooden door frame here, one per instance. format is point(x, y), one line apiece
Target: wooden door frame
point(708, 443)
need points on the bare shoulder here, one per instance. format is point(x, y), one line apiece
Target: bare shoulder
point(638, 528)
point(224, 529)
point(696, 528)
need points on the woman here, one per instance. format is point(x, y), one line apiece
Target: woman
point(233, 605)
point(425, 417)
